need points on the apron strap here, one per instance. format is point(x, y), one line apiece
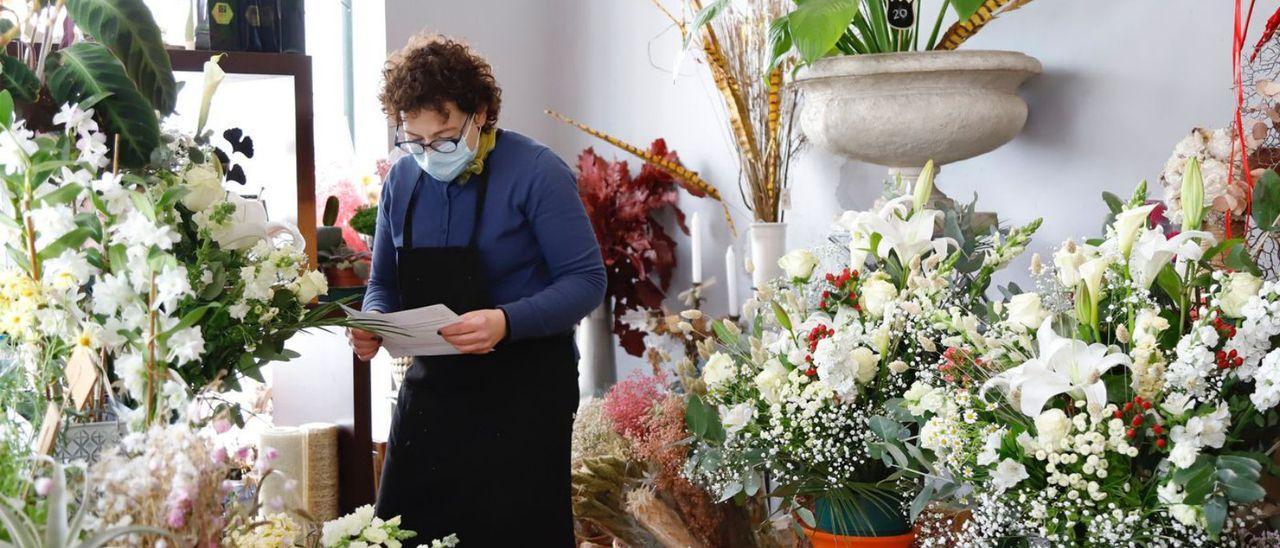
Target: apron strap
point(482, 190)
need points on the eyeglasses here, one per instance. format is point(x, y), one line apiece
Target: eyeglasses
point(444, 145)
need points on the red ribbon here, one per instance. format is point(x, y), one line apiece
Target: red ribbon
point(1237, 47)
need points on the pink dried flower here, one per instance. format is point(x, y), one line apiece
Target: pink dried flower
point(630, 402)
point(220, 455)
point(271, 454)
point(221, 426)
point(242, 454)
point(177, 519)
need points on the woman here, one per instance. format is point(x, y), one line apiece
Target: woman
point(489, 223)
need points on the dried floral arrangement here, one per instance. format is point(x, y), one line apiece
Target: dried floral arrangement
point(639, 254)
point(629, 483)
point(734, 38)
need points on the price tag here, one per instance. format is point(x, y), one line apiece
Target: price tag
point(49, 429)
point(902, 14)
point(82, 376)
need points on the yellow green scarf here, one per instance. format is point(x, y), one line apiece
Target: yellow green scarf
point(487, 139)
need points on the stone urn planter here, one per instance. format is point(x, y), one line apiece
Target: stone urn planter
point(900, 110)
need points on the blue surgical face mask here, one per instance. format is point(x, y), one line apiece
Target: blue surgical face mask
point(446, 166)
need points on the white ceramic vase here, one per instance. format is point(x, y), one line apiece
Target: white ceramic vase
point(597, 365)
point(900, 110)
point(768, 244)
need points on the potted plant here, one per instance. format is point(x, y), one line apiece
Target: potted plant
point(343, 267)
point(874, 91)
point(806, 404)
point(365, 222)
point(124, 67)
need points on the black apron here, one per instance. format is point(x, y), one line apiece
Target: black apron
point(479, 444)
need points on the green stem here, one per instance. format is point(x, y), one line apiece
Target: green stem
point(937, 25)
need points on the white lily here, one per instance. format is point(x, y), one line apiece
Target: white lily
point(1128, 223)
point(1064, 366)
point(213, 75)
point(908, 235)
point(1153, 251)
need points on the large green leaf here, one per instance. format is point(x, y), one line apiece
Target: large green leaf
point(88, 69)
point(816, 25)
point(129, 30)
point(18, 79)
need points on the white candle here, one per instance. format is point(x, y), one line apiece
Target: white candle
point(695, 234)
point(731, 279)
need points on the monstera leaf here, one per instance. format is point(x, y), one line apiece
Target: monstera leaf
point(88, 69)
point(127, 28)
point(18, 79)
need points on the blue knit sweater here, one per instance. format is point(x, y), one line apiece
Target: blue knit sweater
point(538, 252)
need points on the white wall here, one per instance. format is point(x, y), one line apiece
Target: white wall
point(1123, 82)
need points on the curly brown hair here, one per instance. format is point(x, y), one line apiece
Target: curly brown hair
point(432, 70)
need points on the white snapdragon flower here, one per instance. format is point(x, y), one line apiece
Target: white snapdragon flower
point(172, 284)
point(52, 222)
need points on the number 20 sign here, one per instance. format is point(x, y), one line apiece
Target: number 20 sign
point(901, 14)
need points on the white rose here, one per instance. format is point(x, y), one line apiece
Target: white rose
point(309, 286)
point(737, 417)
point(868, 364)
point(1177, 404)
point(375, 534)
point(1052, 427)
point(798, 264)
point(718, 370)
point(1236, 292)
point(1025, 310)
point(1186, 514)
point(1008, 474)
point(204, 187)
point(922, 398)
point(876, 294)
point(1184, 455)
point(771, 380)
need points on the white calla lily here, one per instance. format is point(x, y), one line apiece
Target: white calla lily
point(1128, 224)
point(1064, 366)
point(1153, 251)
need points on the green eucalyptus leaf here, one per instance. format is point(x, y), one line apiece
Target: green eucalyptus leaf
point(6, 108)
point(1266, 200)
point(87, 70)
point(1215, 515)
point(127, 28)
point(16, 78)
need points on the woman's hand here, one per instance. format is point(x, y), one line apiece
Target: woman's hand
point(364, 343)
point(477, 332)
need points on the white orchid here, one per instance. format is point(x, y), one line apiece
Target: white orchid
point(1153, 251)
point(1064, 366)
point(908, 234)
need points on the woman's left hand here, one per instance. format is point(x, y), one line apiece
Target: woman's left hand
point(476, 332)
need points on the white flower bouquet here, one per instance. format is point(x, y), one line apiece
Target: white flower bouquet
point(810, 399)
point(1129, 402)
point(362, 529)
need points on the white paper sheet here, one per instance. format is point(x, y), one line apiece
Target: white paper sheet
point(411, 332)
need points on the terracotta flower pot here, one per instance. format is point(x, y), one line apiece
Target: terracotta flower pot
point(822, 539)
